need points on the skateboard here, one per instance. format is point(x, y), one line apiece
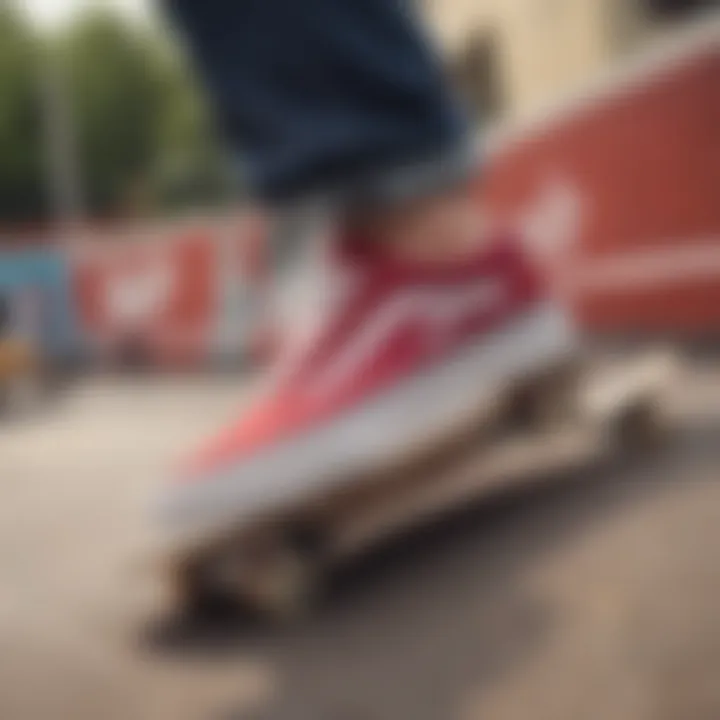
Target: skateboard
point(572, 415)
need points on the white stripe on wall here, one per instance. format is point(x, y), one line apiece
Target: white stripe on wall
point(681, 263)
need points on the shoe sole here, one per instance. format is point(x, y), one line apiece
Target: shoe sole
point(416, 418)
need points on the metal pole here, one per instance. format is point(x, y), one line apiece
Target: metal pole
point(62, 168)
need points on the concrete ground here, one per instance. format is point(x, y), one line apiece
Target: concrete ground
point(594, 596)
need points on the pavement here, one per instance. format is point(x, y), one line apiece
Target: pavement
point(594, 595)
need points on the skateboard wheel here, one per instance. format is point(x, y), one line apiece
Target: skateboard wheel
point(195, 595)
point(275, 577)
point(287, 588)
point(640, 427)
point(547, 400)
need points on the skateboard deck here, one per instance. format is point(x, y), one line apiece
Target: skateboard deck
point(616, 402)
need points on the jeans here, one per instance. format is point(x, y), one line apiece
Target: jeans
point(327, 98)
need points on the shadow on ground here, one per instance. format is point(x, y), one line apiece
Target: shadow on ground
point(405, 631)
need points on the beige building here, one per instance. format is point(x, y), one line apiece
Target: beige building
point(512, 57)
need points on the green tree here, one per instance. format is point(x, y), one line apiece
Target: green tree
point(116, 96)
point(22, 190)
point(192, 165)
point(143, 139)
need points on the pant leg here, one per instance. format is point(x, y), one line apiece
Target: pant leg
point(325, 96)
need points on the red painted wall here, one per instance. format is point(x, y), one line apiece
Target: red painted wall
point(629, 181)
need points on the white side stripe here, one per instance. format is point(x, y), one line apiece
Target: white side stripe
point(439, 308)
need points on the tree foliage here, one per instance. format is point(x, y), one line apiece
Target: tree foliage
point(21, 160)
point(143, 140)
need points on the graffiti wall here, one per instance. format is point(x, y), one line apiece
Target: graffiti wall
point(36, 282)
point(173, 295)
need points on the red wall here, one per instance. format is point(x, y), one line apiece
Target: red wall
point(630, 182)
point(164, 289)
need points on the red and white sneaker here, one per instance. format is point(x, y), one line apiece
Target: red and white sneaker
point(404, 352)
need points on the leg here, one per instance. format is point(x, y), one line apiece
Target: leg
point(343, 99)
point(331, 97)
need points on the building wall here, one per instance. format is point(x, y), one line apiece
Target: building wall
point(545, 48)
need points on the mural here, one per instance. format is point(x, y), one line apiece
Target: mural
point(175, 296)
point(37, 284)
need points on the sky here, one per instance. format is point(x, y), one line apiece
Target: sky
point(50, 13)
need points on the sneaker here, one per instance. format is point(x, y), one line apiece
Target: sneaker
point(404, 351)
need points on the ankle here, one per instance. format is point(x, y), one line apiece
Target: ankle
point(436, 229)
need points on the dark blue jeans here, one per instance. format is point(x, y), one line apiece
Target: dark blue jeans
point(340, 98)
